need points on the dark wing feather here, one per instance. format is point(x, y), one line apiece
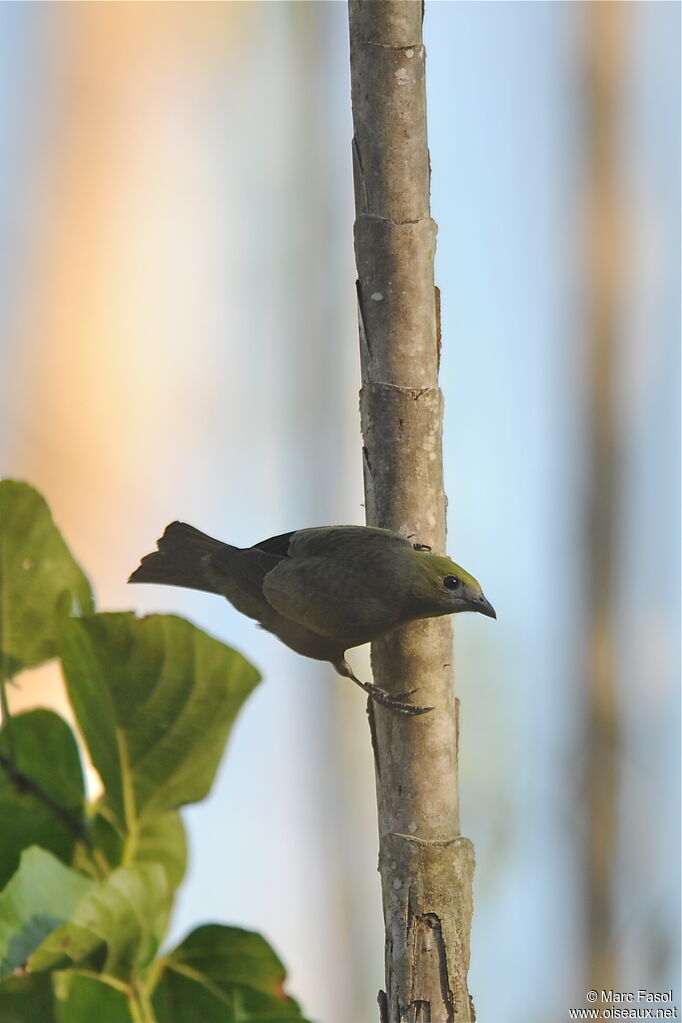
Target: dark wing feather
point(278, 545)
point(242, 574)
point(244, 570)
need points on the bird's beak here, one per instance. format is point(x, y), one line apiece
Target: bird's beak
point(483, 607)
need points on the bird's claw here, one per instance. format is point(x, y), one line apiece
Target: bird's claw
point(402, 695)
point(395, 701)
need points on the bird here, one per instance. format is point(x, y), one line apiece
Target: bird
point(321, 590)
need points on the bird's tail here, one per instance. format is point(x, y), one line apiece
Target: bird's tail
point(182, 559)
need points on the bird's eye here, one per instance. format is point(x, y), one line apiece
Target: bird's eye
point(451, 582)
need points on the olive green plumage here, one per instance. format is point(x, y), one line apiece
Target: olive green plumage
point(321, 591)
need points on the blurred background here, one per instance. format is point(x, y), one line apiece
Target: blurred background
point(178, 340)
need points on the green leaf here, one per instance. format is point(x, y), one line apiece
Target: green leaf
point(39, 580)
point(40, 897)
point(113, 929)
point(223, 975)
point(155, 699)
point(43, 749)
point(82, 999)
point(30, 999)
point(161, 839)
point(51, 918)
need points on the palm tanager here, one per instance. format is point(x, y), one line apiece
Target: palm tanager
point(323, 590)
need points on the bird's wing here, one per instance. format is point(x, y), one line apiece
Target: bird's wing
point(337, 582)
point(278, 545)
point(342, 542)
point(241, 574)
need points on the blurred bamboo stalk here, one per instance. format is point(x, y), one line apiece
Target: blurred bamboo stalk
point(605, 247)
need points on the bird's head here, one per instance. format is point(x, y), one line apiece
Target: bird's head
point(445, 588)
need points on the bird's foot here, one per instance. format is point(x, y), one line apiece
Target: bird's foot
point(394, 701)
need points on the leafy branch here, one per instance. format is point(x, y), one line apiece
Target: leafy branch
point(24, 784)
point(89, 887)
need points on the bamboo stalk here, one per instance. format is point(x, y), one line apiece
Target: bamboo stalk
point(426, 866)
